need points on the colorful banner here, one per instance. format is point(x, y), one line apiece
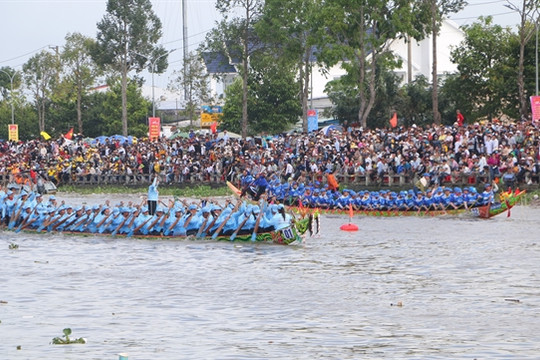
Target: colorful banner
point(535, 108)
point(210, 115)
point(312, 120)
point(13, 131)
point(154, 128)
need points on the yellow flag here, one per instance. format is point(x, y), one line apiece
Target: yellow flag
point(45, 135)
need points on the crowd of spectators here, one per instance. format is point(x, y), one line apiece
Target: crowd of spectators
point(510, 151)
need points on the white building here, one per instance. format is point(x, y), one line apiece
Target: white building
point(450, 36)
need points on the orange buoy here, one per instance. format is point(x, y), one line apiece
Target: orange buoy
point(349, 227)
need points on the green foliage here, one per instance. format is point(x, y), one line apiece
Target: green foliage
point(80, 73)
point(104, 115)
point(64, 340)
point(41, 74)
point(186, 190)
point(272, 103)
point(126, 41)
point(344, 95)
point(194, 80)
point(358, 38)
point(232, 110)
point(481, 62)
point(414, 105)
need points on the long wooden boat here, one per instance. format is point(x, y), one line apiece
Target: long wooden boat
point(510, 199)
point(297, 232)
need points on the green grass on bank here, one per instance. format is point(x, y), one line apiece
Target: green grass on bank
point(196, 191)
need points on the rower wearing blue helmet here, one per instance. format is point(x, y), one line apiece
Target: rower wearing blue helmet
point(488, 195)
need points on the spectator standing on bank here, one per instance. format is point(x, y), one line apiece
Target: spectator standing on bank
point(460, 119)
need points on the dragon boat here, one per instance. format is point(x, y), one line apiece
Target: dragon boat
point(295, 233)
point(508, 200)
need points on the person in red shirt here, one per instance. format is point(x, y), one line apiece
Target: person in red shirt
point(459, 118)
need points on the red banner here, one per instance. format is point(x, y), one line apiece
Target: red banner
point(154, 128)
point(535, 108)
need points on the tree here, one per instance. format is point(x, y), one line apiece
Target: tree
point(128, 30)
point(272, 102)
point(80, 71)
point(194, 80)
point(40, 75)
point(481, 59)
point(237, 38)
point(104, 110)
point(290, 26)
point(415, 102)
point(358, 38)
point(438, 9)
point(10, 80)
point(529, 14)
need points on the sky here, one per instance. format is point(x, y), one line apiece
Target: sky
point(29, 26)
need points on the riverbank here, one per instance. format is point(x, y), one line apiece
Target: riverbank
point(204, 192)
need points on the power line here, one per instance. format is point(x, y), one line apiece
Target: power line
point(476, 17)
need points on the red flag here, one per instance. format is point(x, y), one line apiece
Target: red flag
point(351, 212)
point(69, 134)
point(509, 207)
point(393, 120)
point(213, 127)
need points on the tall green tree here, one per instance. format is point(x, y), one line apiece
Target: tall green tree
point(104, 110)
point(529, 14)
point(481, 59)
point(272, 102)
point(80, 71)
point(438, 9)
point(127, 40)
point(10, 82)
point(193, 79)
point(357, 35)
point(235, 36)
point(41, 73)
point(291, 27)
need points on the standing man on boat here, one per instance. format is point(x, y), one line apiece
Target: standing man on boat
point(153, 195)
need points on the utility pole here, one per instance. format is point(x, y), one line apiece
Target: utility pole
point(185, 44)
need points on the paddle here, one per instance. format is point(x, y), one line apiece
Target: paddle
point(134, 230)
point(256, 227)
point(167, 231)
point(199, 233)
point(54, 226)
point(218, 230)
point(14, 218)
point(25, 221)
point(115, 231)
point(46, 222)
point(233, 236)
point(209, 226)
point(104, 226)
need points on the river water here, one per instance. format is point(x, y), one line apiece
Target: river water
point(399, 288)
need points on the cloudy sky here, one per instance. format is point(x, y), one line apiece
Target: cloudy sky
point(29, 26)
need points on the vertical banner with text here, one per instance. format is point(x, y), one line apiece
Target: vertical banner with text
point(13, 131)
point(535, 108)
point(154, 128)
point(312, 120)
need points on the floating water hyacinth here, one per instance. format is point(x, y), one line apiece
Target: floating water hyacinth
point(66, 340)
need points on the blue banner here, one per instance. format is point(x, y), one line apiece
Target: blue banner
point(312, 120)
